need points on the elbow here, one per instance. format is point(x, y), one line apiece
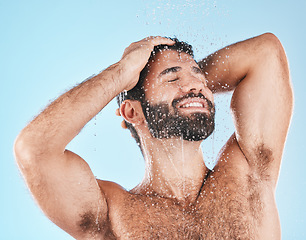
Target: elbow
point(30, 148)
point(273, 45)
point(23, 152)
point(272, 39)
point(277, 54)
point(274, 52)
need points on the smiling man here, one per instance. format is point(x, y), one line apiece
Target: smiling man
point(169, 109)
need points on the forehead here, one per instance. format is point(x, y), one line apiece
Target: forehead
point(170, 58)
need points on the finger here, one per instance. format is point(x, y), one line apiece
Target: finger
point(161, 41)
point(158, 40)
point(118, 112)
point(123, 125)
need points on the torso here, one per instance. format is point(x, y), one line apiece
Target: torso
point(235, 202)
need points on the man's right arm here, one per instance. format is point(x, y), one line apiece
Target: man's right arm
point(62, 182)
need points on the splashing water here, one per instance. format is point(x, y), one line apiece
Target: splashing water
point(172, 14)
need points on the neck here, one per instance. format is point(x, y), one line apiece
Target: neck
point(174, 168)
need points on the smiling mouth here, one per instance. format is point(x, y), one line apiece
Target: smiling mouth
point(195, 103)
point(192, 105)
point(192, 102)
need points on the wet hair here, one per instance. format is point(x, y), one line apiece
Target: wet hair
point(138, 93)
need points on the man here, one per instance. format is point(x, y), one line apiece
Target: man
point(179, 197)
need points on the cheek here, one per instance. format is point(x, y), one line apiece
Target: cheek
point(167, 92)
point(208, 94)
point(160, 92)
point(150, 91)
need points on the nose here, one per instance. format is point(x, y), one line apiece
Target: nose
point(191, 84)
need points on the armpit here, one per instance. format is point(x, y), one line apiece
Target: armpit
point(260, 158)
point(93, 227)
point(264, 158)
point(89, 223)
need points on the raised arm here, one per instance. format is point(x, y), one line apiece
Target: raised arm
point(62, 182)
point(257, 70)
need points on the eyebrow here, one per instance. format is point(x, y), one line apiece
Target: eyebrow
point(169, 70)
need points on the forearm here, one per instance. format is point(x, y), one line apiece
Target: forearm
point(60, 122)
point(226, 68)
point(63, 119)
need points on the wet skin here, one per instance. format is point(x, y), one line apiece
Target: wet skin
point(173, 75)
point(179, 197)
point(178, 102)
point(233, 201)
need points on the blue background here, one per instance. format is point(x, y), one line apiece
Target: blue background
point(47, 47)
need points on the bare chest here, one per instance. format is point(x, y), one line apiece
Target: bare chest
point(222, 211)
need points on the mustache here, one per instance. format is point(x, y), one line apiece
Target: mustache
point(192, 95)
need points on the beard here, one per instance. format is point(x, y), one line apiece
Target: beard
point(163, 123)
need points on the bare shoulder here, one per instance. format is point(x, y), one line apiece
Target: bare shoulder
point(109, 185)
point(111, 189)
point(231, 158)
point(246, 188)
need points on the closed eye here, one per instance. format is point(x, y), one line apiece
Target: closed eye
point(197, 70)
point(173, 80)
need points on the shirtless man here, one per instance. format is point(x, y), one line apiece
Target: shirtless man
point(179, 197)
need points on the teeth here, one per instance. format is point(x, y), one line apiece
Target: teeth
point(193, 104)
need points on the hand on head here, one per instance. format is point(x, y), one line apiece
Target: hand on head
point(136, 56)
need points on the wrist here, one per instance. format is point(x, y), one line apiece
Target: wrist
point(115, 75)
point(129, 75)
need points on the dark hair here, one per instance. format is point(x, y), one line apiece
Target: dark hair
point(138, 93)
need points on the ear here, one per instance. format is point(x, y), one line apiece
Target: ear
point(131, 111)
